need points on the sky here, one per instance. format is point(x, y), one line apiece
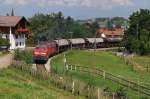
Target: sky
point(78, 9)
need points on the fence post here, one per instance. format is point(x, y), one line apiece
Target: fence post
point(129, 84)
point(113, 95)
point(67, 67)
point(71, 67)
point(104, 74)
point(73, 87)
point(138, 89)
point(147, 68)
point(98, 91)
point(75, 67)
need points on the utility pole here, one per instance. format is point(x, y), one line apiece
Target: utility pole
point(95, 42)
point(137, 31)
point(71, 38)
point(58, 45)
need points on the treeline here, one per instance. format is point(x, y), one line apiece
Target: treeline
point(46, 27)
point(137, 37)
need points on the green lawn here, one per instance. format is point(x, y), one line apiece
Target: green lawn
point(108, 62)
point(103, 60)
point(15, 84)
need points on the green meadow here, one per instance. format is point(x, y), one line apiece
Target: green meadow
point(102, 60)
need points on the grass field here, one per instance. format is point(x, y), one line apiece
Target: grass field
point(15, 84)
point(142, 60)
point(103, 60)
point(108, 62)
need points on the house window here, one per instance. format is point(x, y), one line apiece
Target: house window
point(7, 36)
point(16, 43)
point(20, 43)
point(16, 36)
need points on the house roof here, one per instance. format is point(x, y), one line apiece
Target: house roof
point(117, 32)
point(10, 21)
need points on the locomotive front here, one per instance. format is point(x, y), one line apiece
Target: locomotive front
point(41, 54)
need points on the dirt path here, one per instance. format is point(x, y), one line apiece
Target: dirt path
point(6, 60)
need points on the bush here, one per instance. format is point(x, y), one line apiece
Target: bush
point(107, 89)
point(24, 55)
point(144, 97)
point(4, 42)
point(121, 92)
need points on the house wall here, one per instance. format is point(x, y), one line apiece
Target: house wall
point(12, 41)
point(20, 41)
point(17, 41)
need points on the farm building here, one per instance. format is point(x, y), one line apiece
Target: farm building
point(14, 29)
point(116, 33)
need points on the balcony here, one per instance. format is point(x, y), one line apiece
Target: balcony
point(22, 30)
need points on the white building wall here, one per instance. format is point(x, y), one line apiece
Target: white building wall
point(20, 41)
point(12, 41)
point(16, 41)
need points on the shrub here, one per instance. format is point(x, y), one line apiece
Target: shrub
point(4, 42)
point(24, 55)
point(106, 89)
point(144, 97)
point(121, 92)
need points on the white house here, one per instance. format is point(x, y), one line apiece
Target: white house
point(14, 28)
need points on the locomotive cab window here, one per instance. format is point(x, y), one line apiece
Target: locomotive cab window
point(44, 48)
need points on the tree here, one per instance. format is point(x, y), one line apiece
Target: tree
point(4, 42)
point(53, 26)
point(12, 12)
point(110, 24)
point(137, 37)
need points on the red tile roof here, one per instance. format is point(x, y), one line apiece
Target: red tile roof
point(116, 32)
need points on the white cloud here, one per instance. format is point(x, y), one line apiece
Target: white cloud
point(72, 3)
point(14, 2)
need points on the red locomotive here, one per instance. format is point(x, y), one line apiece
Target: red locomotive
point(43, 51)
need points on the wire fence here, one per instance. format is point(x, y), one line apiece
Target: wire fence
point(137, 86)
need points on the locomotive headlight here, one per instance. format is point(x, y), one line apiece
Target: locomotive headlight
point(36, 53)
point(43, 53)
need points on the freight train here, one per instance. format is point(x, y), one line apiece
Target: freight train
point(44, 50)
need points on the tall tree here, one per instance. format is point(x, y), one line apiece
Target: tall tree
point(12, 12)
point(137, 37)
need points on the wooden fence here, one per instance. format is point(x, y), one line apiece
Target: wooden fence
point(136, 86)
point(135, 65)
point(76, 87)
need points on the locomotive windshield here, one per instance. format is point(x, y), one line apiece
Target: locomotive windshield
point(40, 48)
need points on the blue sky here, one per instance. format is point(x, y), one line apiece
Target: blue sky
point(79, 9)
